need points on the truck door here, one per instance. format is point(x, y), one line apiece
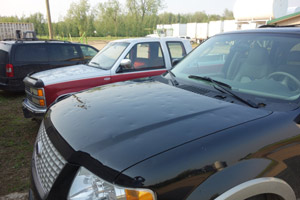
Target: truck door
point(146, 60)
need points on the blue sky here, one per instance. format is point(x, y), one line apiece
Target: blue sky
point(59, 7)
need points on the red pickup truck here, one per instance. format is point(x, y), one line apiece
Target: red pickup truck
point(119, 60)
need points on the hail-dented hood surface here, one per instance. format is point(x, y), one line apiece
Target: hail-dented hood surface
point(70, 73)
point(134, 121)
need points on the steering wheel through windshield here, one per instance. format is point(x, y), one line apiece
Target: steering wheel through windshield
point(284, 80)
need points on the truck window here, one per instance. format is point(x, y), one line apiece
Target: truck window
point(146, 56)
point(176, 50)
point(31, 53)
point(3, 57)
point(88, 52)
point(58, 52)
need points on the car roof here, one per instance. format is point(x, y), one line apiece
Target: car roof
point(150, 39)
point(36, 42)
point(267, 29)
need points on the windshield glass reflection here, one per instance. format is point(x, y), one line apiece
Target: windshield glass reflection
point(266, 65)
point(107, 57)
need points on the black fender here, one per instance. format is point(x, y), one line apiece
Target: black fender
point(243, 180)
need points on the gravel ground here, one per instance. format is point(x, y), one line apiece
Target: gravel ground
point(15, 196)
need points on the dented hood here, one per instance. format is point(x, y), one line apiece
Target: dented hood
point(70, 73)
point(122, 124)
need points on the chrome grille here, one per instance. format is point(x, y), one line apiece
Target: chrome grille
point(27, 88)
point(48, 160)
point(29, 95)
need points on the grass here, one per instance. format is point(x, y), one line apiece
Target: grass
point(17, 136)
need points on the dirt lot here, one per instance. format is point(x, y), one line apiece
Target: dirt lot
point(98, 44)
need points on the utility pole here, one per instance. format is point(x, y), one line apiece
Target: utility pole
point(49, 20)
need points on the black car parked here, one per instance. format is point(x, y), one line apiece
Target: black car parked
point(21, 57)
point(226, 127)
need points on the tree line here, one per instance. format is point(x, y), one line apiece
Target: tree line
point(111, 18)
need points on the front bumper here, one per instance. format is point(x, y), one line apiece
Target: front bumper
point(31, 111)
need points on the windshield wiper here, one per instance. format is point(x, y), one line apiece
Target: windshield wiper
point(173, 80)
point(224, 89)
point(97, 65)
point(208, 79)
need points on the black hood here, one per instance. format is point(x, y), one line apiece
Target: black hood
point(125, 123)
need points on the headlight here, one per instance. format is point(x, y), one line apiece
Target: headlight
point(40, 102)
point(38, 92)
point(87, 185)
point(37, 96)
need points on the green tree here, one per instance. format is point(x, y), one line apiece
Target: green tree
point(138, 10)
point(78, 15)
point(199, 17)
point(9, 19)
point(135, 18)
point(109, 15)
point(39, 23)
point(227, 15)
point(214, 17)
point(170, 18)
point(167, 18)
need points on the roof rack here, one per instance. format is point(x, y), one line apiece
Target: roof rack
point(276, 26)
point(33, 39)
point(26, 39)
point(20, 40)
point(9, 39)
point(64, 41)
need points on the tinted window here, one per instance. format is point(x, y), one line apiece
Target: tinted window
point(31, 53)
point(3, 57)
point(63, 52)
point(176, 50)
point(146, 56)
point(88, 52)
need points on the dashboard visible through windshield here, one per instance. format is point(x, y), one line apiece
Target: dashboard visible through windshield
point(259, 64)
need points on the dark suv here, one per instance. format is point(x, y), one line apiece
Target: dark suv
point(20, 57)
point(226, 127)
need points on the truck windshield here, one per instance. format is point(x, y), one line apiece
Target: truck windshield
point(107, 57)
point(256, 64)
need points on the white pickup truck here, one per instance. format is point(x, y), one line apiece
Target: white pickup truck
point(119, 60)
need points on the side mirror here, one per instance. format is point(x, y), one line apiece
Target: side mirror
point(126, 64)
